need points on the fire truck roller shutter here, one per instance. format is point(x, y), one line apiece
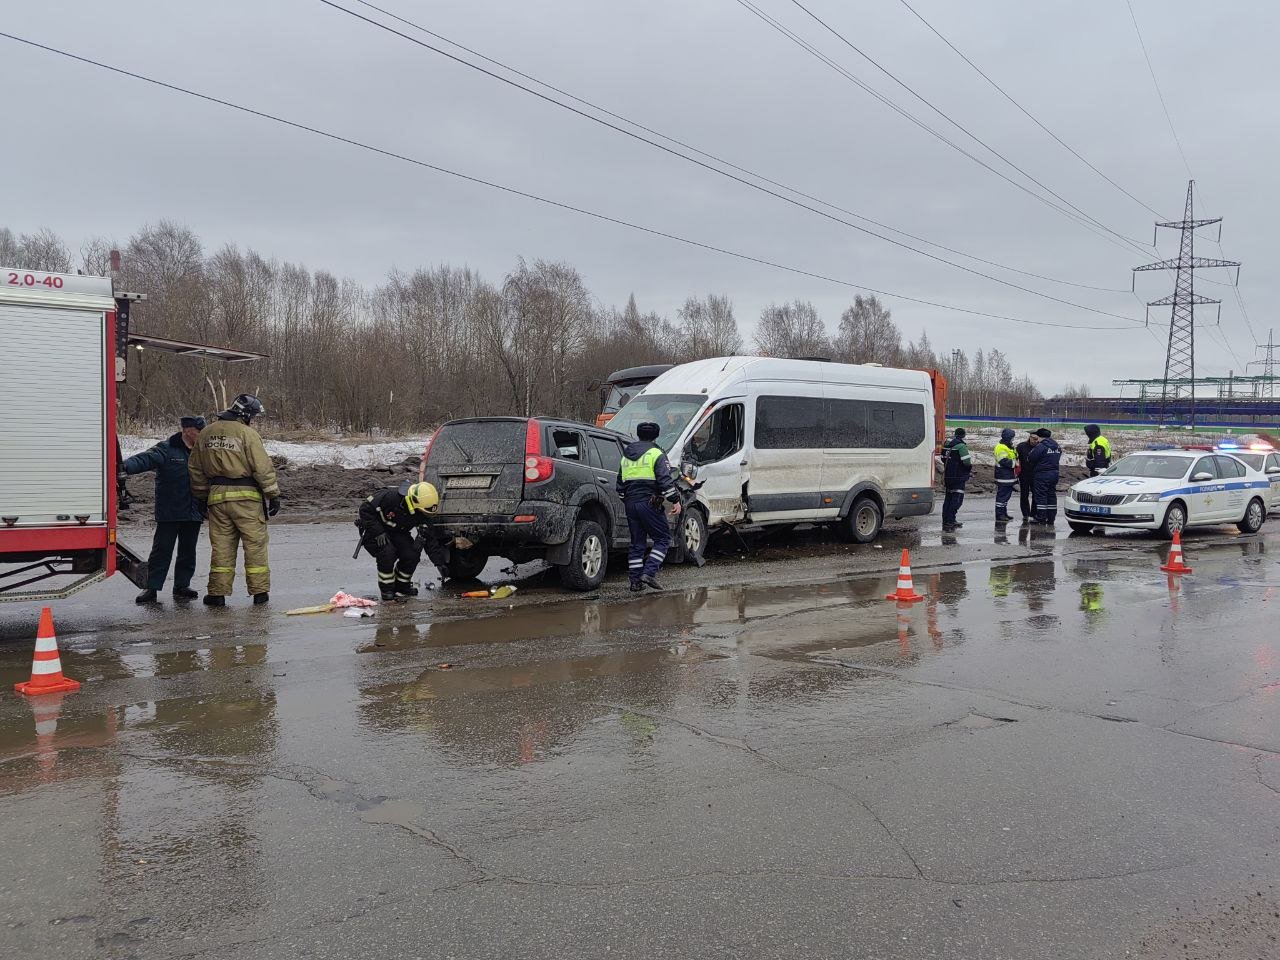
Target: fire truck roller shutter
point(52, 396)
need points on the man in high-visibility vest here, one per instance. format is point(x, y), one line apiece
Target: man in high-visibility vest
point(1005, 474)
point(1099, 456)
point(644, 482)
point(232, 477)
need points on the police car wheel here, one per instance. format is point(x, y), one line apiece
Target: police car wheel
point(1175, 520)
point(1254, 516)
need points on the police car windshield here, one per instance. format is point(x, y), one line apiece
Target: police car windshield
point(1153, 465)
point(670, 411)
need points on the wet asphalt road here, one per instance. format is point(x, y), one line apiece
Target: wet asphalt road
point(1058, 754)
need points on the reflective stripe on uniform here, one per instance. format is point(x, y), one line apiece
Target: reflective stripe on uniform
point(642, 469)
point(221, 495)
point(249, 570)
point(385, 577)
point(222, 569)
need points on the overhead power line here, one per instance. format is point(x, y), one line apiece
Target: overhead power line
point(1079, 214)
point(714, 169)
point(1027, 113)
point(1156, 83)
point(721, 160)
point(515, 191)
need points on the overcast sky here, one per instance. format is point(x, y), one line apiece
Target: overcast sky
point(89, 153)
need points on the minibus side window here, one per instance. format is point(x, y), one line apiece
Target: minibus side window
point(895, 426)
point(789, 423)
point(717, 437)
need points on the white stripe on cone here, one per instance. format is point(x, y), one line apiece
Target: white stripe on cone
point(45, 644)
point(46, 666)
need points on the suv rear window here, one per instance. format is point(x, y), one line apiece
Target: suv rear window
point(479, 441)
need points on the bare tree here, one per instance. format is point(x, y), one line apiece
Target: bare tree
point(867, 334)
point(708, 328)
point(42, 250)
point(436, 343)
point(792, 330)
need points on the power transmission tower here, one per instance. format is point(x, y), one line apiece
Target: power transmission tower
point(1268, 365)
point(1180, 357)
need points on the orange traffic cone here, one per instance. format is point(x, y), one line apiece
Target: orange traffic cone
point(1175, 564)
point(906, 593)
point(46, 665)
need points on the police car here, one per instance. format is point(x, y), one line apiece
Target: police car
point(1168, 490)
point(1262, 457)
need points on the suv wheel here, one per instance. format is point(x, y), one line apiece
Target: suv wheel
point(1254, 516)
point(862, 525)
point(588, 557)
point(467, 564)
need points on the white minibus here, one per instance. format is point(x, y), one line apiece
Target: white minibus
point(795, 441)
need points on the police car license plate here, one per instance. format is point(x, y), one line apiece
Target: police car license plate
point(469, 482)
point(1094, 509)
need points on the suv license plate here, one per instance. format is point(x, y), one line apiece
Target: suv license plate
point(1092, 508)
point(470, 483)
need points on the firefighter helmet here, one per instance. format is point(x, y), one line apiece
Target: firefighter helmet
point(246, 407)
point(421, 498)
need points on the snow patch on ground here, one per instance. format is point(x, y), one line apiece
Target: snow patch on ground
point(353, 456)
point(982, 441)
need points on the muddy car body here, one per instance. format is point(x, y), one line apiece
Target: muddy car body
point(529, 489)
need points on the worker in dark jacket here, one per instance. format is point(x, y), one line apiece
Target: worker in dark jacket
point(957, 464)
point(178, 514)
point(1005, 474)
point(1025, 500)
point(1044, 461)
point(644, 482)
point(387, 522)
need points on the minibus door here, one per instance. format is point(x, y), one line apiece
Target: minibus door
point(716, 448)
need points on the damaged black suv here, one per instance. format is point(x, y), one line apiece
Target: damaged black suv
point(529, 489)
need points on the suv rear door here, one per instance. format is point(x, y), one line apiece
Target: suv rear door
point(606, 461)
point(478, 466)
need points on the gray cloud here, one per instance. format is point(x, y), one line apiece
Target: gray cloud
point(98, 154)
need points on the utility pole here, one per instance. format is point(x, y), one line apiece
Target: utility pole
point(1180, 357)
point(1268, 365)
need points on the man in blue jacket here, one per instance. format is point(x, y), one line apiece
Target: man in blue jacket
point(1044, 460)
point(178, 515)
point(643, 483)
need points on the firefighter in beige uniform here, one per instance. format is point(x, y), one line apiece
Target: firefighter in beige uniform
point(230, 470)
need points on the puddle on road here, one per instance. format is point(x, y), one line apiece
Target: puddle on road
point(519, 713)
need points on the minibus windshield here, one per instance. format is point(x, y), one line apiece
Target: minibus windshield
point(670, 411)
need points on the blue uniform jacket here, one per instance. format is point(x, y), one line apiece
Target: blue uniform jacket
point(168, 459)
point(1044, 458)
point(635, 490)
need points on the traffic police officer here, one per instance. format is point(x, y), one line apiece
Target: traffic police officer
point(1044, 461)
point(643, 483)
point(387, 521)
point(1005, 475)
point(231, 475)
point(1099, 456)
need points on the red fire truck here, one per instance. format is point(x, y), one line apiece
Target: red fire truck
point(64, 346)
